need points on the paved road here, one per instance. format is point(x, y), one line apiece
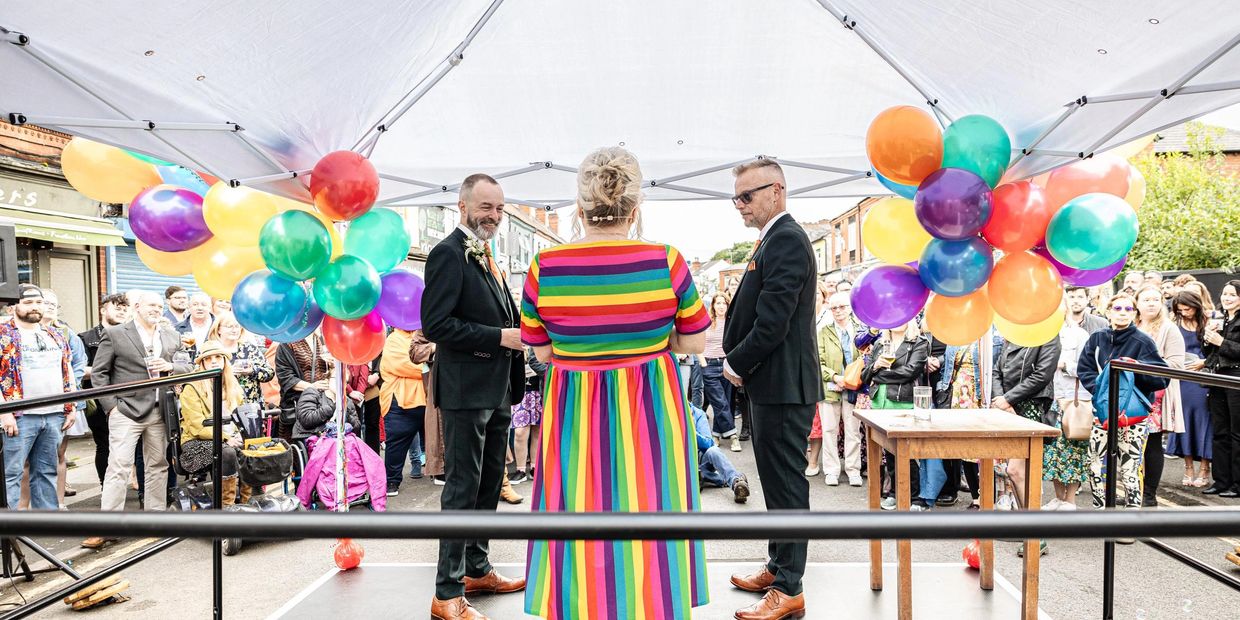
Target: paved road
point(265, 575)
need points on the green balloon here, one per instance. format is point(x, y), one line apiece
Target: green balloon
point(978, 144)
point(295, 245)
point(1092, 231)
point(380, 237)
point(348, 288)
point(148, 159)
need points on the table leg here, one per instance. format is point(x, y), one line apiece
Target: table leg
point(1033, 495)
point(986, 472)
point(904, 548)
point(874, 464)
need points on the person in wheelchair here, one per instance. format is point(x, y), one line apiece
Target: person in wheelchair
point(196, 433)
point(316, 407)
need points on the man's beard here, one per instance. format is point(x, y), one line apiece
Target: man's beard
point(33, 316)
point(476, 227)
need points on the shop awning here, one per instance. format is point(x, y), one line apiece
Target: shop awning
point(61, 227)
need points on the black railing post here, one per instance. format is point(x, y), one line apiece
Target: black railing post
point(1112, 459)
point(217, 491)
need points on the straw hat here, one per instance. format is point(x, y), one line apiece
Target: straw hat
point(210, 348)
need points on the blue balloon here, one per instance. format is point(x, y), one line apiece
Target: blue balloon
point(307, 320)
point(956, 268)
point(181, 176)
point(904, 191)
point(267, 303)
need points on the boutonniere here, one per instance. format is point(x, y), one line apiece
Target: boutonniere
point(476, 249)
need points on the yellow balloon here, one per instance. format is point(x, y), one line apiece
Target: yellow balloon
point(1034, 335)
point(291, 205)
point(220, 266)
point(1133, 148)
point(891, 232)
point(169, 263)
point(105, 173)
point(237, 214)
point(1136, 187)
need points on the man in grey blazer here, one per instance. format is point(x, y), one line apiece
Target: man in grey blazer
point(133, 351)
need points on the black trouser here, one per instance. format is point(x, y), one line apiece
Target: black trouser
point(953, 468)
point(740, 402)
point(1224, 408)
point(475, 443)
point(98, 422)
point(778, 437)
point(1153, 465)
point(402, 426)
point(370, 422)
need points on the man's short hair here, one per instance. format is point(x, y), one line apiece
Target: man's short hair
point(467, 186)
point(761, 162)
point(118, 299)
point(1072, 289)
point(172, 290)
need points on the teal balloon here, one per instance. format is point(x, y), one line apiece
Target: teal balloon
point(267, 303)
point(348, 288)
point(978, 144)
point(903, 191)
point(380, 237)
point(148, 159)
point(295, 245)
point(1092, 231)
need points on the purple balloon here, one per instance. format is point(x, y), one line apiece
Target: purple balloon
point(888, 296)
point(400, 302)
point(953, 204)
point(1083, 277)
point(168, 218)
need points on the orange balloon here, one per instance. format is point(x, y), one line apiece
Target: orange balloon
point(958, 321)
point(904, 144)
point(1136, 188)
point(1025, 288)
point(1102, 173)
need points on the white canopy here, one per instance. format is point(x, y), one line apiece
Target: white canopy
point(433, 91)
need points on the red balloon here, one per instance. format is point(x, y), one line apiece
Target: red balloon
point(349, 553)
point(1102, 173)
point(971, 554)
point(344, 185)
point(1018, 218)
point(354, 342)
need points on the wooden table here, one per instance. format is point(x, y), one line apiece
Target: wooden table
point(984, 434)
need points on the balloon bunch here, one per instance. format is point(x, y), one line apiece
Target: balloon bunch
point(284, 264)
point(989, 251)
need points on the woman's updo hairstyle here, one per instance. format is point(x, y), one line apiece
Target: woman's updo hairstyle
point(609, 186)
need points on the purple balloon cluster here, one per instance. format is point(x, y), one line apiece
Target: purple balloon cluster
point(168, 218)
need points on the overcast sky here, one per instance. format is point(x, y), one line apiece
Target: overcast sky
point(700, 228)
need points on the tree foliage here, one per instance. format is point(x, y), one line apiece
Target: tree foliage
point(1191, 215)
point(735, 254)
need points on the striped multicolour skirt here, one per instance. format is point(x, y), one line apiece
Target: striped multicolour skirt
point(616, 440)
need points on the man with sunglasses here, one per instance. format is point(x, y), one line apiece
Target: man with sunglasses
point(34, 361)
point(772, 351)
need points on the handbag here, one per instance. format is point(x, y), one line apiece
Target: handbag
point(852, 374)
point(1078, 416)
point(1133, 406)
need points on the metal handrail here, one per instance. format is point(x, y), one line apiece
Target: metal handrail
point(107, 390)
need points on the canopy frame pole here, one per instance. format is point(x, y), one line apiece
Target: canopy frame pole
point(270, 178)
point(262, 153)
point(1166, 93)
point(409, 181)
point(690, 190)
point(417, 92)
point(882, 53)
point(455, 186)
point(17, 118)
point(820, 167)
point(1051, 153)
point(840, 181)
point(1071, 109)
point(698, 173)
point(1209, 88)
point(23, 41)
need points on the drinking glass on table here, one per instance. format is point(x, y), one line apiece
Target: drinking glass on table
point(922, 396)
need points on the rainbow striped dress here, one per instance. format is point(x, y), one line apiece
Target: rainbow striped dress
point(616, 432)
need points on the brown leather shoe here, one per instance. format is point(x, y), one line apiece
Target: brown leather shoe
point(758, 582)
point(97, 542)
point(774, 606)
point(493, 583)
point(455, 609)
point(508, 494)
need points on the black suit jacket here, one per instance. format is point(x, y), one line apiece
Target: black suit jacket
point(769, 335)
point(463, 311)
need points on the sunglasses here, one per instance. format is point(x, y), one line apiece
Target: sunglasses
point(838, 307)
point(746, 196)
point(1123, 308)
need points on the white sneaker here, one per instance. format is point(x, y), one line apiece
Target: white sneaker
point(854, 480)
point(833, 480)
point(1005, 502)
point(736, 442)
point(1068, 506)
point(888, 503)
point(812, 470)
point(1053, 504)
